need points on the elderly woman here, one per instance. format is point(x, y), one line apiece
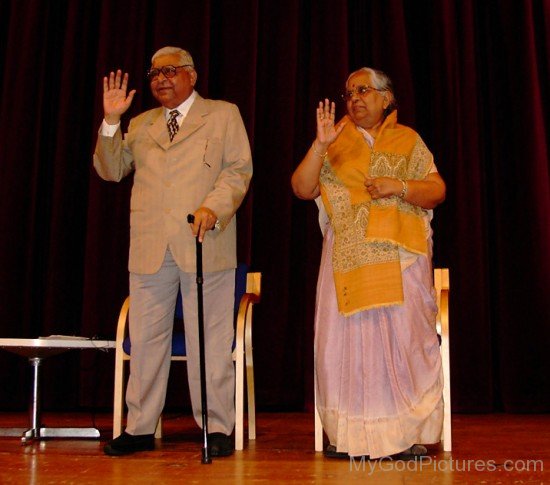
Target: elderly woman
point(377, 360)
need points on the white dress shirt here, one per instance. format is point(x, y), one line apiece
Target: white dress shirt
point(110, 130)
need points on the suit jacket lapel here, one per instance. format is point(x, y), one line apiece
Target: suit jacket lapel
point(157, 128)
point(193, 121)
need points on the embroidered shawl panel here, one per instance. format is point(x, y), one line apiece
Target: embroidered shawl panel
point(368, 232)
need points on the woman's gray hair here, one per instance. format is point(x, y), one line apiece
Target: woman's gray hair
point(381, 81)
point(184, 56)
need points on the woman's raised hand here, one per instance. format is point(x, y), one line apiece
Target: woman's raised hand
point(326, 131)
point(115, 99)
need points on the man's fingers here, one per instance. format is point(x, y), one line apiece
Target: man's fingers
point(118, 78)
point(205, 219)
point(202, 226)
point(202, 231)
point(115, 80)
point(124, 84)
point(131, 96)
point(198, 225)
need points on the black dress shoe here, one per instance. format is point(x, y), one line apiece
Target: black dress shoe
point(330, 452)
point(415, 452)
point(126, 444)
point(220, 444)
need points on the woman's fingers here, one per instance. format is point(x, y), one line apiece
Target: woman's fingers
point(326, 111)
point(320, 111)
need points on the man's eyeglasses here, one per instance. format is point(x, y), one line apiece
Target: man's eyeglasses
point(167, 71)
point(360, 90)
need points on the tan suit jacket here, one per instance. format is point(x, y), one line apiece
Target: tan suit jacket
point(207, 164)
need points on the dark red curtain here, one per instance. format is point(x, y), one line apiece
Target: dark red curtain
point(472, 77)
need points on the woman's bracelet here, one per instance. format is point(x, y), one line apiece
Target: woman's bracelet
point(322, 155)
point(403, 193)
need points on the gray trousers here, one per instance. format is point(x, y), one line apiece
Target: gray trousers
point(152, 304)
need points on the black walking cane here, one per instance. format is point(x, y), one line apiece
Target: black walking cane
point(205, 452)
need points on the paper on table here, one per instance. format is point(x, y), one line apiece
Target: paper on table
point(65, 337)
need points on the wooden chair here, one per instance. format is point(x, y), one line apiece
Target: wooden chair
point(247, 294)
point(442, 287)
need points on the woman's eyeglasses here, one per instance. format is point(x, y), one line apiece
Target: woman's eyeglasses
point(360, 90)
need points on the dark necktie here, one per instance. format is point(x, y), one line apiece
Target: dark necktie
point(173, 126)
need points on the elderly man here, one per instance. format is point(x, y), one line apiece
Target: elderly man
point(190, 155)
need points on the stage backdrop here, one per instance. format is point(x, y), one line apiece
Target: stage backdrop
point(472, 77)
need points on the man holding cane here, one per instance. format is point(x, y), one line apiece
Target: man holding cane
point(190, 155)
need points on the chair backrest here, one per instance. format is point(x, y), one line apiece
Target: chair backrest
point(442, 284)
point(240, 289)
point(178, 338)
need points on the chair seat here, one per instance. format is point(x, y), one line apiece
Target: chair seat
point(178, 344)
point(178, 336)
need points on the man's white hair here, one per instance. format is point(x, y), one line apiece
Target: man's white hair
point(184, 56)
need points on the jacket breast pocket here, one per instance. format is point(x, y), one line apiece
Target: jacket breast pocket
point(212, 151)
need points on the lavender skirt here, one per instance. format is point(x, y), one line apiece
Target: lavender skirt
point(379, 376)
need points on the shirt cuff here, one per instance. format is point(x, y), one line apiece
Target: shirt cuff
point(108, 130)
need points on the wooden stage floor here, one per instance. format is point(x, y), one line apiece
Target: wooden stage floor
point(495, 448)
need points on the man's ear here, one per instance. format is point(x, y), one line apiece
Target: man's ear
point(193, 75)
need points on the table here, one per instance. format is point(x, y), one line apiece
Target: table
point(36, 350)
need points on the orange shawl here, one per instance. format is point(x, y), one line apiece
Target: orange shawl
point(367, 233)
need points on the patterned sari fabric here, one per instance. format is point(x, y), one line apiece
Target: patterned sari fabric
point(377, 360)
point(368, 233)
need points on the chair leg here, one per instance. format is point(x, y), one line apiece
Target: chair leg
point(445, 356)
point(118, 407)
point(118, 404)
point(251, 402)
point(239, 396)
point(158, 429)
point(239, 383)
point(318, 422)
point(250, 378)
point(446, 433)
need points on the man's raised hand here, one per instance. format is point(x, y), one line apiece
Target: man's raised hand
point(115, 99)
